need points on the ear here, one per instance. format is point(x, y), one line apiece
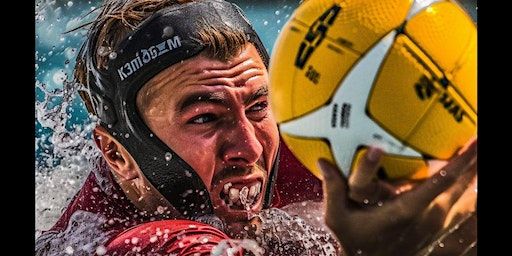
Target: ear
point(116, 156)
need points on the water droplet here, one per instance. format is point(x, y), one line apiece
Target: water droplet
point(69, 250)
point(167, 32)
point(442, 173)
point(112, 55)
point(265, 23)
point(359, 252)
point(127, 135)
point(366, 201)
point(277, 12)
point(434, 180)
point(102, 51)
point(160, 209)
point(380, 203)
point(441, 245)
point(70, 3)
point(135, 240)
point(59, 77)
point(461, 241)
point(278, 21)
point(168, 156)
point(101, 250)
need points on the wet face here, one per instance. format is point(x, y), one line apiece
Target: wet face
point(215, 115)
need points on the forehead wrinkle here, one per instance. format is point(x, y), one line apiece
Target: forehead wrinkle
point(232, 77)
point(233, 73)
point(177, 74)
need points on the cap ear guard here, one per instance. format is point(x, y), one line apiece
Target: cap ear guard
point(103, 106)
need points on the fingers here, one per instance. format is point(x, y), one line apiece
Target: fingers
point(448, 199)
point(421, 196)
point(363, 183)
point(335, 187)
point(335, 192)
point(465, 204)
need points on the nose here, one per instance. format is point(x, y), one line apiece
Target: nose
point(241, 145)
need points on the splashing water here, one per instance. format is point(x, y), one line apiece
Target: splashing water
point(70, 143)
point(71, 241)
point(65, 152)
point(230, 247)
point(53, 191)
point(297, 229)
point(285, 234)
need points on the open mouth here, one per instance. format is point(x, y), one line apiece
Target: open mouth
point(241, 196)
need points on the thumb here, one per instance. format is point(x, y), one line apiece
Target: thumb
point(335, 188)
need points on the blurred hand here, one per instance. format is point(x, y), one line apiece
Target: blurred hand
point(374, 217)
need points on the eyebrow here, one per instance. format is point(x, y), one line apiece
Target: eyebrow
point(218, 98)
point(200, 97)
point(262, 91)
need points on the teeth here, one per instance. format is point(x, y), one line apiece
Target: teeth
point(226, 187)
point(234, 194)
point(246, 196)
point(243, 195)
point(258, 187)
point(252, 191)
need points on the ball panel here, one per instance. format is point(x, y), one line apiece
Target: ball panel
point(444, 32)
point(308, 151)
point(399, 108)
point(446, 127)
point(465, 75)
point(398, 167)
point(317, 82)
point(301, 90)
point(282, 70)
point(359, 23)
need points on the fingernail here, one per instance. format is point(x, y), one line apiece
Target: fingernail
point(374, 154)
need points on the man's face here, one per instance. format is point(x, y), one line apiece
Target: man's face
point(215, 115)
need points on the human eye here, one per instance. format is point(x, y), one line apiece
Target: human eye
point(258, 110)
point(203, 119)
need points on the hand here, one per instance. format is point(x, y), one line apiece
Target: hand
point(403, 222)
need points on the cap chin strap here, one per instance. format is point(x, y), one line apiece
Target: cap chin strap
point(153, 46)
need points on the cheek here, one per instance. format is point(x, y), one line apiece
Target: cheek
point(199, 153)
point(269, 137)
